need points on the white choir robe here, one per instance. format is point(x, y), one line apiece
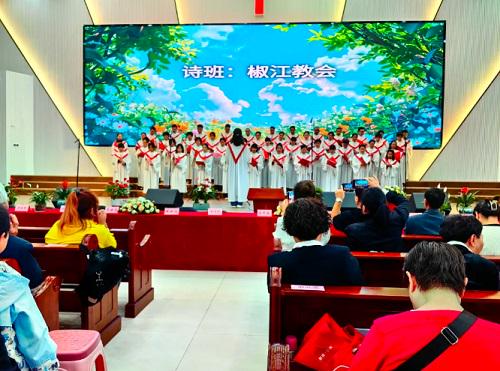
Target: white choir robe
point(179, 170)
point(319, 136)
point(266, 152)
point(330, 163)
point(291, 175)
point(151, 166)
point(188, 147)
point(223, 166)
point(202, 135)
point(226, 136)
point(402, 147)
point(177, 137)
point(249, 139)
point(255, 172)
point(374, 161)
point(115, 149)
point(382, 146)
point(306, 142)
point(339, 139)
point(121, 171)
point(360, 166)
point(195, 150)
point(278, 165)
point(345, 169)
point(303, 172)
point(354, 146)
point(203, 167)
point(317, 167)
point(327, 143)
point(140, 153)
point(217, 169)
point(237, 172)
point(389, 173)
point(167, 164)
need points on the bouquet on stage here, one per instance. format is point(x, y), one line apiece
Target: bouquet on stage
point(204, 191)
point(139, 206)
point(117, 189)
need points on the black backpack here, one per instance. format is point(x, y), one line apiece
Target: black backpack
point(106, 268)
point(6, 363)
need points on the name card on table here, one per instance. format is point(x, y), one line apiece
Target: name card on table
point(215, 211)
point(112, 209)
point(308, 287)
point(62, 208)
point(265, 213)
point(22, 208)
point(171, 211)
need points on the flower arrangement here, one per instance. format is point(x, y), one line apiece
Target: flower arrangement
point(11, 193)
point(396, 190)
point(118, 189)
point(39, 199)
point(465, 199)
point(61, 193)
point(446, 206)
point(139, 206)
point(204, 191)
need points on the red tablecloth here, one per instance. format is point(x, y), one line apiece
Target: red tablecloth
point(192, 240)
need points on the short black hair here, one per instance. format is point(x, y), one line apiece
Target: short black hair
point(436, 265)
point(306, 218)
point(460, 228)
point(189, 133)
point(488, 208)
point(303, 146)
point(254, 146)
point(435, 197)
point(317, 141)
point(4, 221)
point(121, 145)
point(304, 189)
point(227, 126)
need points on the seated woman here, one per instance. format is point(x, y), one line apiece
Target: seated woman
point(380, 229)
point(311, 263)
point(488, 213)
point(80, 217)
point(436, 272)
point(283, 240)
point(22, 327)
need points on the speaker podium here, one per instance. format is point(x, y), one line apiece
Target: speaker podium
point(265, 198)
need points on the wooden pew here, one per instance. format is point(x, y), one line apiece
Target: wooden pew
point(140, 289)
point(69, 263)
point(294, 312)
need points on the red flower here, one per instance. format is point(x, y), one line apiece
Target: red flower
point(464, 190)
point(64, 184)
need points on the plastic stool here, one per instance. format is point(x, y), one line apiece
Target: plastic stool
point(79, 350)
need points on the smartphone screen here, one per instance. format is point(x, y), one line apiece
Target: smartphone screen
point(361, 183)
point(347, 187)
point(291, 196)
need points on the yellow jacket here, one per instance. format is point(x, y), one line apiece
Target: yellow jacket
point(73, 234)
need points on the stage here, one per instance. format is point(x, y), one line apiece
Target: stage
point(234, 241)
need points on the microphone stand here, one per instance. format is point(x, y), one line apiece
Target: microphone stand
point(78, 162)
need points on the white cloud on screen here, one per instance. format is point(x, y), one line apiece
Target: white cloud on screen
point(218, 33)
point(225, 108)
point(347, 62)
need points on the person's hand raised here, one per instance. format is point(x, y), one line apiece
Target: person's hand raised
point(373, 182)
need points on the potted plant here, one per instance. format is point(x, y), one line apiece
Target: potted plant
point(60, 194)
point(39, 199)
point(139, 205)
point(204, 191)
point(464, 201)
point(11, 194)
point(118, 191)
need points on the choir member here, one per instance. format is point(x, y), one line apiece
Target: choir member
point(141, 153)
point(330, 141)
point(203, 164)
point(258, 139)
point(212, 142)
point(176, 134)
point(117, 141)
point(381, 144)
point(278, 165)
point(139, 142)
point(374, 154)
point(291, 149)
point(303, 164)
point(354, 144)
point(248, 137)
point(188, 145)
point(360, 163)
point(362, 139)
point(220, 151)
point(293, 133)
point(167, 154)
point(196, 149)
point(281, 139)
point(317, 135)
point(165, 142)
point(317, 153)
point(180, 165)
point(121, 163)
point(237, 155)
point(152, 134)
point(345, 170)
point(272, 134)
point(339, 136)
point(306, 140)
point(401, 146)
point(255, 164)
point(267, 149)
point(389, 170)
point(330, 163)
point(200, 133)
point(151, 166)
point(226, 134)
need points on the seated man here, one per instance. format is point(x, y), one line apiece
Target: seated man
point(429, 222)
point(342, 219)
point(437, 282)
point(310, 263)
point(464, 232)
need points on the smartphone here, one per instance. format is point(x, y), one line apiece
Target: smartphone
point(291, 196)
point(360, 183)
point(347, 187)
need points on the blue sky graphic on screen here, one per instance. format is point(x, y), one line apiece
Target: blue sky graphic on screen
point(383, 76)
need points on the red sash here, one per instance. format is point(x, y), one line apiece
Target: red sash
point(249, 139)
point(218, 149)
point(236, 158)
point(318, 155)
point(345, 155)
point(292, 150)
point(377, 150)
point(304, 162)
point(150, 159)
point(255, 161)
point(141, 153)
point(227, 138)
point(120, 157)
point(196, 151)
point(338, 140)
point(267, 153)
point(383, 143)
point(279, 161)
point(212, 146)
point(332, 161)
point(178, 159)
point(388, 164)
point(273, 139)
point(361, 159)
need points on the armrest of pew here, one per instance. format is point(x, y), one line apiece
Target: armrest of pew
point(47, 300)
point(12, 263)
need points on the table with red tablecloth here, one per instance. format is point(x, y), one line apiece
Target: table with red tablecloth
point(191, 240)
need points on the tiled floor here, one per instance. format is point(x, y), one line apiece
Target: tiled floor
point(198, 321)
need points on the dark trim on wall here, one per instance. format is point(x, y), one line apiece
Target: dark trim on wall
point(438, 9)
point(88, 11)
point(177, 12)
point(343, 10)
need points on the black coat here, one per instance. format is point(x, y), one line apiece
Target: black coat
point(482, 273)
point(328, 265)
point(21, 250)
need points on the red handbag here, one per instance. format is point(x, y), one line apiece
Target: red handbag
point(328, 347)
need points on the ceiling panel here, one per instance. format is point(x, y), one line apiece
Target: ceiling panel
point(132, 11)
point(231, 11)
point(390, 10)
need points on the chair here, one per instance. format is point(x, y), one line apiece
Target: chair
point(79, 350)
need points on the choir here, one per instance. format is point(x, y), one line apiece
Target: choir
point(275, 160)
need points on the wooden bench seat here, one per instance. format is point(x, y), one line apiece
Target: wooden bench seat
point(140, 283)
point(69, 263)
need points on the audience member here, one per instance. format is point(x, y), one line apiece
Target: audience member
point(78, 219)
point(311, 263)
point(381, 228)
point(429, 222)
point(488, 213)
point(465, 233)
point(4, 199)
point(342, 219)
point(283, 240)
point(22, 328)
point(437, 278)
